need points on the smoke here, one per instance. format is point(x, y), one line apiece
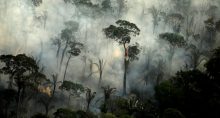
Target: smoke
point(25, 28)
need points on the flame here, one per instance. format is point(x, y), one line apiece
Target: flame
point(45, 90)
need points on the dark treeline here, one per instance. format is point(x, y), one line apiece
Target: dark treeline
point(188, 94)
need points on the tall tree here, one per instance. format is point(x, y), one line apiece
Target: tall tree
point(100, 65)
point(67, 36)
point(175, 41)
point(155, 15)
point(89, 97)
point(46, 99)
point(23, 72)
point(108, 91)
point(75, 50)
point(122, 34)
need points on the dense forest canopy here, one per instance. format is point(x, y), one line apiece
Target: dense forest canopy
point(109, 58)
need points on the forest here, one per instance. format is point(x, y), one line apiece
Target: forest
point(109, 58)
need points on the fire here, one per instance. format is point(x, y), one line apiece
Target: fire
point(45, 90)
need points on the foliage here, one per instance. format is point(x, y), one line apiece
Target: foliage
point(74, 87)
point(22, 69)
point(39, 115)
point(213, 69)
point(67, 113)
point(122, 32)
point(7, 98)
point(108, 91)
point(75, 48)
point(89, 97)
point(106, 5)
point(37, 2)
point(189, 92)
point(86, 3)
point(172, 113)
point(173, 39)
point(64, 113)
point(217, 25)
point(133, 51)
point(108, 115)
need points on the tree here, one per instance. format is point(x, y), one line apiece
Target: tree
point(100, 65)
point(217, 25)
point(190, 92)
point(63, 41)
point(68, 36)
point(75, 50)
point(57, 42)
point(106, 5)
point(64, 113)
point(67, 113)
point(172, 113)
point(213, 69)
point(195, 56)
point(210, 30)
point(155, 14)
point(89, 97)
point(121, 7)
point(175, 41)
point(122, 34)
point(23, 72)
point(108, 91)
point(37, 2)
point(175, 20)
point(7, 98)
point(46, 99)
point(74, 89)
point(39, 115)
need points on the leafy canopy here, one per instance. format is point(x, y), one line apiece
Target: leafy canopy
point(174, 39)
point(70, 86)
point(122, 32)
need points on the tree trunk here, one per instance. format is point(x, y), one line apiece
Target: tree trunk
point(101, 66)
point(63, 53)
point(47, 108)
point(100, 78)
point(67, 63)
point(87, 108)
point(125, 72)
point(18, 102)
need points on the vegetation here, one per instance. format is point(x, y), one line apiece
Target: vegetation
point(178, 62)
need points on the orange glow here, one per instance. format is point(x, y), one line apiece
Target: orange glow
point(45, 90)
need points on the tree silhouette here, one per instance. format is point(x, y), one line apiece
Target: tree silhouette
point(155, 15)
point(67, 36)
point(75, 50)
point(108, 91)
point(213, 69)
point(7, 97)
point(175, 41)
point(100, 65)
point(74, 89)
point(37, 2)
point(23, 72)
point(122, 34)
point(89, 97)
point(46, 99)
point(175, 21)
